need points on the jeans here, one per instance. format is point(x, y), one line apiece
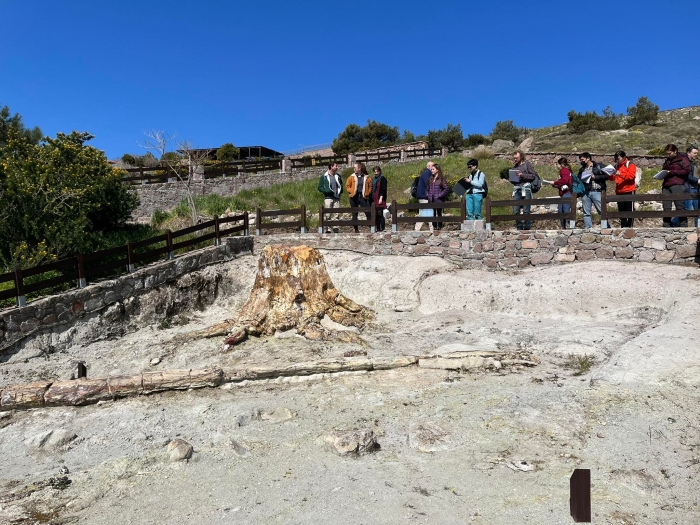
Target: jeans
point(359, 202)
point(474, 206)
point(691, 204)
point(423, 213)
point(522, 194)
point(564, 208)
point(590, 198)
point(332, 203)
point(674, 190)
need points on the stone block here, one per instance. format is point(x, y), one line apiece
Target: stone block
point(665, 256)
point(655, 244)
point(436, 250)
point(647, 255)
point(509, 262)
point(488, 246)
point(588, 238)
point(561, 241)
point(540, 258)
point(620, 243)
point(687, 250)
point(624, 253)
point(585, 255)
point(561, 257)
point(529, 244)
point(629, 233)
point(692, 238)
point(604, 252)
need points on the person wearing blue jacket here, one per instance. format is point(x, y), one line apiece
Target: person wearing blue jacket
point(475, 193)
point(421, 193)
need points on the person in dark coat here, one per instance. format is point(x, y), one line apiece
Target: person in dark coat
point(678, 167)
point(379, 186)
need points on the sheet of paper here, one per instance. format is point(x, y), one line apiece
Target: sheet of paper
point(661, 175)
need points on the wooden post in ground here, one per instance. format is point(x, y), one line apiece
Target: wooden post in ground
point(19, 287)
point(303, 218)
point(130, 266)
point(604, 210)
point(572, 217)
point(169, 242)
point(217, 232)
point(373, 226)
point(580, 495)
point(487, 212)
point(82, 281)
point(320, 219)
point(394, 215)
point(258, 222)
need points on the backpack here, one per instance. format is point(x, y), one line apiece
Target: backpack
point(638, 178)
point(414, 187)
point(536, 185)
point(486, 188)
point(577, 185)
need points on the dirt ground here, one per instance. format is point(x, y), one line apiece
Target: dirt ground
point(616, 391)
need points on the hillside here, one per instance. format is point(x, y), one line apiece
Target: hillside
point(679, 126)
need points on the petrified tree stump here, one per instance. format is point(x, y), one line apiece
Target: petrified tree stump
point(293, 290)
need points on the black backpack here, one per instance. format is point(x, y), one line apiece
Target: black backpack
point(536, 185)
point(414, 187)
point(485, 188)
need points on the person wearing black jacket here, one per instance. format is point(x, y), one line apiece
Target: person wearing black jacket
point(593, 177)
point(679, 168)
point(379, 187)
point(423, 179)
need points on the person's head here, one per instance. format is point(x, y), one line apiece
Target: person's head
point(620, 157)
point(360, 168)
point(585, 159)
point(430, 164)
point(692, 151)
point(332, 168)
point(473, 165)
point(563, 162)
point(671, 151)
point(436, 170)
point(518, 156)
point(377, 171)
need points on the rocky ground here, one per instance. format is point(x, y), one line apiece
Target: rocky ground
point(615, 391)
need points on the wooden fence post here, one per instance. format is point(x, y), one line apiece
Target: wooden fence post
point(19, 287)
point(580, 495)
point(487, 212)
point(394, 215)
point(169, 242)
point(130, 267)
point(463, 212)
point(217, 233)
point(143, 181)
point(82, 281)
point(258, 222)
point(303, 218)
point(572, 218)
point(373, 227)
point(246, 224)
point(320, 219)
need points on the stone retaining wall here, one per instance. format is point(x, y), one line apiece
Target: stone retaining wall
point(58, 313)
point(503, 250)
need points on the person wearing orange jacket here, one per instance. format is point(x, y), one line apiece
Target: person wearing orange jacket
point(624, 180)
point(359, 188)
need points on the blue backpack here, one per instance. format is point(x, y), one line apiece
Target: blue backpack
point(578, 188)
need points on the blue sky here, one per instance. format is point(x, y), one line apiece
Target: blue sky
point(292, 74)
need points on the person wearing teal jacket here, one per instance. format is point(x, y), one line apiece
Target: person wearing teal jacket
point(331, 186)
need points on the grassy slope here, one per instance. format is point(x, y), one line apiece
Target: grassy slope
point(676, 126)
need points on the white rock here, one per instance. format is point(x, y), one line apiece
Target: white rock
point(50, 439)
point(180, 450)
point(155, 361)
point(355, 441)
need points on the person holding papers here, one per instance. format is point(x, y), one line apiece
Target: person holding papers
point(678, 167)
point(624, 184)
point(522, 189)
point(564, 185)
point(593, 178)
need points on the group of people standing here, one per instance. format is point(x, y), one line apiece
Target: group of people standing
point(593, 177)
point(362, 189)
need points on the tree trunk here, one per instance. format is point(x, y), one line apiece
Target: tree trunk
point(293, 290)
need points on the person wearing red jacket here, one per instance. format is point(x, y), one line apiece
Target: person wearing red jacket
point(624, 179)
point(678, 167)
point(564, 184)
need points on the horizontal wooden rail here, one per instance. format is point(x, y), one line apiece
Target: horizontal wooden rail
point(490, 217)
point(414, 206)
point(300, 224)
point(324, 222)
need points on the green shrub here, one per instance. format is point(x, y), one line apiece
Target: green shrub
point(580, 122)
point(482, 153)
point(644, 112)
point(506, 130)
point(159, 217)
point(475, 139)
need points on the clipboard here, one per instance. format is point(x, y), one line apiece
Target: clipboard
point(461, 187)
point(513, 176)
point(661, 175)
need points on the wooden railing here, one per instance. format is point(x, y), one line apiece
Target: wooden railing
point(300, 224)
point(490, 217)
point(318, 161)
point(606, 215)
point(377, 157)
point(413, 219)
point(113, 261)
point(323, 222)
point(422, 153)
